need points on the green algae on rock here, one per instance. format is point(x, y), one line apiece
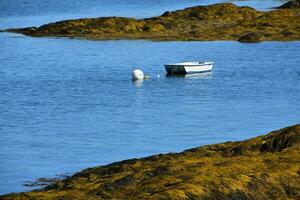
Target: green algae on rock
point(224, 21)
point(265, 167)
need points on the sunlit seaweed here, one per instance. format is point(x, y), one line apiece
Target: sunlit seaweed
point(224, 21)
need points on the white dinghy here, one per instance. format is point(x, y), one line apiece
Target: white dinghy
point(189, 67)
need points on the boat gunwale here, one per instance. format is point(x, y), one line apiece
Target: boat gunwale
point(190, 64)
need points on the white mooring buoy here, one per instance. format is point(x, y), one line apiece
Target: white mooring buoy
point(137, 74)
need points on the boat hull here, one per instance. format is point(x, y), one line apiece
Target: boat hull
point(188, 69)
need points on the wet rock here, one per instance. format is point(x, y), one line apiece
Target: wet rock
point(251, 37)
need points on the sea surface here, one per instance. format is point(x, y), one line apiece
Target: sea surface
point(68, 104)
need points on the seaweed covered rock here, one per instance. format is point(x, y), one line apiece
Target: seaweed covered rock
point(223, 21)
point(279, 140)
point(265, 167)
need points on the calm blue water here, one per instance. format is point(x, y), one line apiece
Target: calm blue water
point(68, 104)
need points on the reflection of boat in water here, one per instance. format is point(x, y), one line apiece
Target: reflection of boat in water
point(189, 67)
point(203, 75)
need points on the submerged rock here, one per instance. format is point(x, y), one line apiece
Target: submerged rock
point(265, 167)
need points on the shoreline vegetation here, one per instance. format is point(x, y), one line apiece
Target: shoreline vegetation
point(265, 167)
point(223, 21)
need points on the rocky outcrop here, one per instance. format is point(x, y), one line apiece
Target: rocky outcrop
point(266, 167)
point(295, 4)
point(223, 21)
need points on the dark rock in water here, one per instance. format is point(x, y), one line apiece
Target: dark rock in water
point(251, 37)
point(290, 5)
point(265, 167)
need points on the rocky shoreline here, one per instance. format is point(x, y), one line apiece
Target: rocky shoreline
point(265, 167)
point(224, 21)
